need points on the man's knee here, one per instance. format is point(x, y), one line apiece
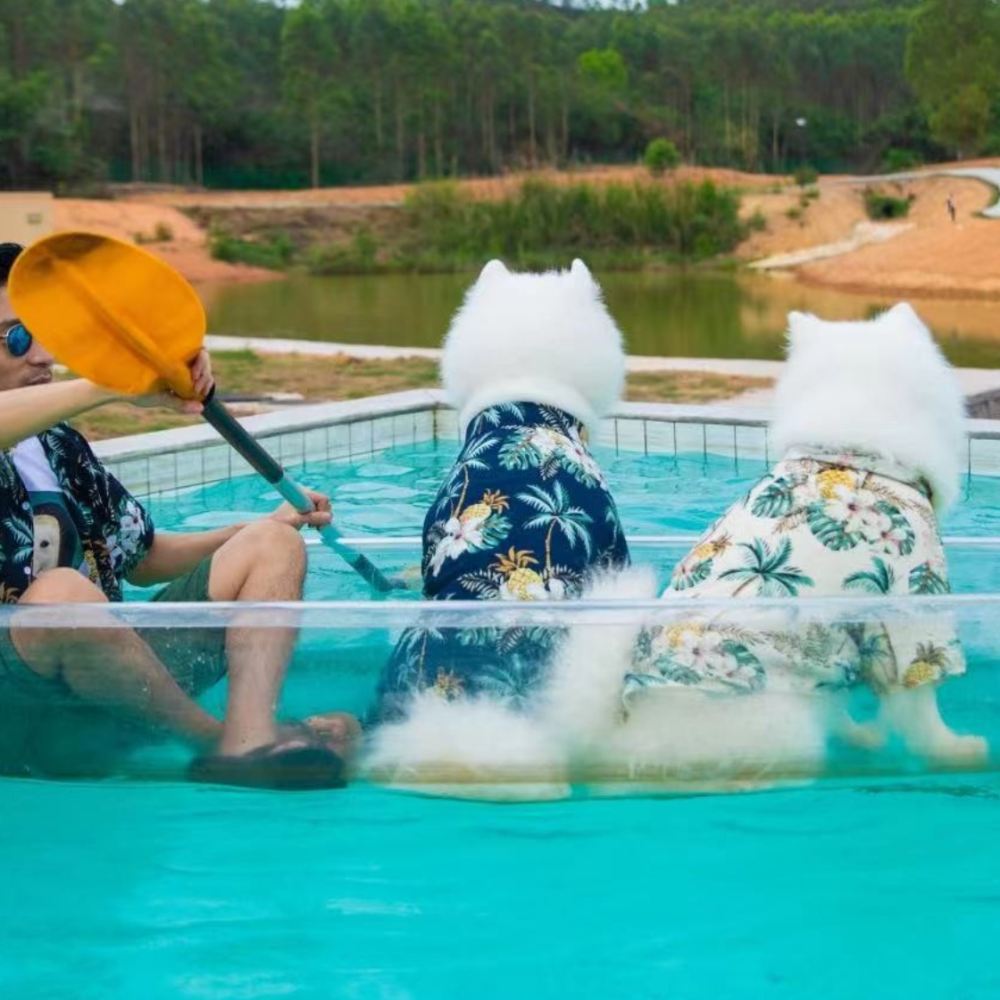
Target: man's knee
point(63, 585)
point(267, 551)
point(42, 648)
point(272, 540)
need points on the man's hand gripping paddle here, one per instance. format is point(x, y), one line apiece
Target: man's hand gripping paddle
point(125, 320)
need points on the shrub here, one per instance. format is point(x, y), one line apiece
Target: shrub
point(661, 155)
point(886, 206)
point(898, 160)
point(162, 233)
point(539, 225)
point(806, 175)
point(356, 257)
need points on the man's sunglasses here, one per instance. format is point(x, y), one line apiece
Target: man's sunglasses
point(17, 340)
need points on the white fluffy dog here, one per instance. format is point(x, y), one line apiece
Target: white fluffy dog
point(531, 363)
point(869, 424)
point(543, 338)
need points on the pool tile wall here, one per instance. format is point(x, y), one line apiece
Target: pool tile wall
point(164, 461)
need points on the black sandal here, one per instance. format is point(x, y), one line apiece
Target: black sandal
point(287, 765)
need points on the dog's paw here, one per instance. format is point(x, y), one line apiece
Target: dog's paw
point(951, 750)
point(862, 735)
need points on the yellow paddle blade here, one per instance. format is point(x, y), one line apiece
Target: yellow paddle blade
point(109, 311)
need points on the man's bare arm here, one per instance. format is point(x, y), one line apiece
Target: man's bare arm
point(35, 408)
point(174, 553)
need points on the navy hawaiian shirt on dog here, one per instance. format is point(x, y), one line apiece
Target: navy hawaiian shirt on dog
point(525, 514)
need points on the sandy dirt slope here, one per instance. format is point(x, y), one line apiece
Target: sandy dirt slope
point(127, 219)
point(393, 194)
point(929, 256)
point(139, 213)
point(933, 258)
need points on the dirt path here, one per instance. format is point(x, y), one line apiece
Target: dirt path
point(927, 256)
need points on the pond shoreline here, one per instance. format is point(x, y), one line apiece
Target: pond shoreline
point(689, 313)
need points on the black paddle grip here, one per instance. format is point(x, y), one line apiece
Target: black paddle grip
point(229, 428)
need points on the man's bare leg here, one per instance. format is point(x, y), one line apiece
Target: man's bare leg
point(265, 561)
point(106, 666)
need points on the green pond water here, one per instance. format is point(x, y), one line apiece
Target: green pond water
point(674, 313)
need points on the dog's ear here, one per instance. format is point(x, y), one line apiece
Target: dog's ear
point(801, 325)
point(803, 328)
point(494, 269)
point(579, 271)
point(903, 311)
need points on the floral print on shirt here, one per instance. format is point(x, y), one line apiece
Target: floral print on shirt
point(819, 524)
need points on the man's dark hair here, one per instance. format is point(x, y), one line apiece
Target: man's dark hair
point(9, 252)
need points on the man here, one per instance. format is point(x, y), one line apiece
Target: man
point(70, 533)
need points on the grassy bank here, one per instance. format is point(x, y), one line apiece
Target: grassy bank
point(442, 228)
point(246, 374)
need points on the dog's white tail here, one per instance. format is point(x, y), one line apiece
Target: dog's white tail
point(582, 700)
point(480, 748)
point(474, 748)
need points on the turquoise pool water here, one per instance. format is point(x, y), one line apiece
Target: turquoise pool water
point(387, 496)
point(169, 891)
point(160, 889)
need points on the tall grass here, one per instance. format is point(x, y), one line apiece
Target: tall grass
point(540, 224)
point(542, 221)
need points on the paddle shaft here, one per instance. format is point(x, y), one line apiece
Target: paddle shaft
point(232, 431)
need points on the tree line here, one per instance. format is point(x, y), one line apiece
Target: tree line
point(239, 93)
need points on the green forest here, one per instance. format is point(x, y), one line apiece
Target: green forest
point(255, 93)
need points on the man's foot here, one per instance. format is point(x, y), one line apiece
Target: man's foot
point(292, 764)
point(340, 731)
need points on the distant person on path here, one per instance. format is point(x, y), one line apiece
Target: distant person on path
point(951, 206)
point(73, 700)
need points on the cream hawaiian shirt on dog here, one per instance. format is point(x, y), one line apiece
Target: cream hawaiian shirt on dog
point(819, 524)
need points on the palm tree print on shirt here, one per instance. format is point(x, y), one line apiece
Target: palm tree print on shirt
point(878, 580)
point(768, 570)
point(555, 512)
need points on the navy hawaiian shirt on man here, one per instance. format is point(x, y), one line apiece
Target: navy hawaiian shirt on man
point(114, 529)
